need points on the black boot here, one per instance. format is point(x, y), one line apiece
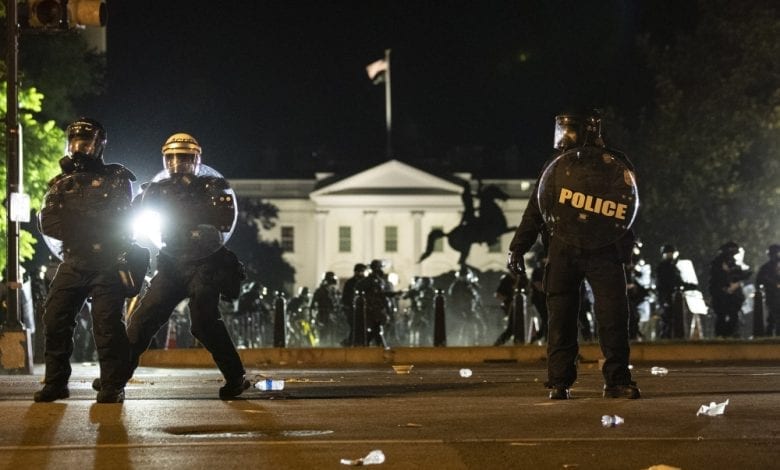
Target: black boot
point(50, 393)
point(233, 388)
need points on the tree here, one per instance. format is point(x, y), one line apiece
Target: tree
point(263, 259)
point(707, 154)
point(40, 142)
point(43, 142)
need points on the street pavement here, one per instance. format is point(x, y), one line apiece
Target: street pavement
point(431, 418)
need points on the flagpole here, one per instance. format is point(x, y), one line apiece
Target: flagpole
point(388, 107)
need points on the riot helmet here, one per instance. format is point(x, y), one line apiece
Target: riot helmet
point(86, 137)
point(773, 252)
point(330, 279)
point(575, 129)
point(669, 252)
point(181, 154)
point(377, 265)
point(359, 268)
point(729, 249)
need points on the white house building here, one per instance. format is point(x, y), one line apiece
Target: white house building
point(386, 212)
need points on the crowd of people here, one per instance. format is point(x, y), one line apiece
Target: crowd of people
point(589, 281)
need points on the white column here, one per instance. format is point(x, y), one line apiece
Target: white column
point(417, 240)
point(322, 246)
point(369, 217)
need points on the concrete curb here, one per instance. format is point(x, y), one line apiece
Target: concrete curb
point(715, 351)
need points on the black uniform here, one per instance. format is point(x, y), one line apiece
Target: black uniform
point(571, 260)
point(87, 209)
point(769, 277)
point(379, 306)
point(325, 301)
point(505, 293)
point(188, 268)
point(726, 282)
point(348, 302)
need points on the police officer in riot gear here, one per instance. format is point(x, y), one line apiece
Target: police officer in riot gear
point(584, 205)
point(348, 301)
point(668, 281)
point(85, 220)
point(379, 306)
point(198, 212)
point(325, 301)
point(727, 274)
point(769, 277)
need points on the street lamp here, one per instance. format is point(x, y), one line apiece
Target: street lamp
point(65, 14)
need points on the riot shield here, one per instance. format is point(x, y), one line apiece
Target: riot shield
point(588, 197)
point(187, 217)
point(79, 205)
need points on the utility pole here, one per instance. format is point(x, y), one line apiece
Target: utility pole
point(15, 339)
point(52, 15)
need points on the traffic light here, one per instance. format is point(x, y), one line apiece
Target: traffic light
point(65, 14)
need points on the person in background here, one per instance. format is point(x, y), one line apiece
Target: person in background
point(727, 274)
point(769, 277)
point(348, 301)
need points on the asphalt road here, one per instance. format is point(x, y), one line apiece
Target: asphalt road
point(431, 418)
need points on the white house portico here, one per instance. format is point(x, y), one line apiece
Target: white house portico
point(386, 212)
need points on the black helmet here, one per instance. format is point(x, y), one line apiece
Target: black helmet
point(729, 249)
point(359, 268)
point(330, 278)
point(575, 129)
point(86, 137)
point(773, 251)
point(668, 248)
point(376, 265)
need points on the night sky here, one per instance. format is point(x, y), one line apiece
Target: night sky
point(279, 89)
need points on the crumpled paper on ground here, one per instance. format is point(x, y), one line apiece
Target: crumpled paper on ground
point(713, 409)
point(374, 457)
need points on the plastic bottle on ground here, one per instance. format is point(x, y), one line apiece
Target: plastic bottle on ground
point(270, 385)
point(611, 421)
point(660, 371)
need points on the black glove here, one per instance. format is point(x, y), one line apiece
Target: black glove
point(515, 263)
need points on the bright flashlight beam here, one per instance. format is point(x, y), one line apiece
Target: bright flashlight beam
point(148, 226)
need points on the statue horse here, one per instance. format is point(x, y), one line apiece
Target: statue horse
point(486, 227)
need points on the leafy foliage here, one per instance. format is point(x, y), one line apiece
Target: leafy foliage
point(43, 143)
point(707, 157)
point(264, 260)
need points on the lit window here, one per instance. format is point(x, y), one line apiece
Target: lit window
point(288, 239)
point(345, 239)
point(438, 245)
point(391, 239)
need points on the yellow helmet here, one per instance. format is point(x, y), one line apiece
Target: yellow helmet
point(181, 154)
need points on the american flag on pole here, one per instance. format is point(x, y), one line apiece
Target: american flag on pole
point(375, 68)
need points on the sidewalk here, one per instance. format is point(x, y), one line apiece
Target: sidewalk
point(705, 351)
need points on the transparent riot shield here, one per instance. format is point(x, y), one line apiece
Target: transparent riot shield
point(588, 197)
point(185, 216)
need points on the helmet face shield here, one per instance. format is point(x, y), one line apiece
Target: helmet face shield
point(574, 130)
point(567, 133)
point(86, 137)
point(188, 163)
point(85, 145)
